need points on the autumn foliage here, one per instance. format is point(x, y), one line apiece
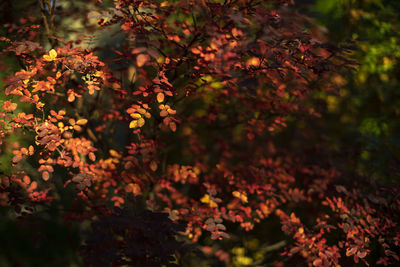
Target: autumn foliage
point(194, 129)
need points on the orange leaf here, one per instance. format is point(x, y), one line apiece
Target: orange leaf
point(172, 126)
point(153, 166)
point(33, 185)
point(24, 151)
point(17, 158)
point(141, 111)
point(163, 113)
point(317, 262)
point(134, 188)
point(45, 176)
point(142, 59)
point(92, 156)
point(351, 251)
point(160, 97)
point(362, 254)
point(71, 98)
point(26, 180)
point(31, 150)
point(9, 106)
point(171, 111)
point(82, 121)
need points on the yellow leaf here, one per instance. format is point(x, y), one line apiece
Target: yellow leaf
point(53, 53)
point(239, 195)
point(39, 105)
point(253, 61)
point(213, 204)
point(51, 56)
point(205, 199)
point(114, 153)
point(160, 60)
point(243, 260)
point(133, 124)
point(140, 122)
point(164, 4)
point(136, 116)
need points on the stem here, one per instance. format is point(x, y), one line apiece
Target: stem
point(48, 26)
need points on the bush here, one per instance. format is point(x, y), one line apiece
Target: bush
point(124, 124)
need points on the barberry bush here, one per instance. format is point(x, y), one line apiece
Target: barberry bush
point(164, 133)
